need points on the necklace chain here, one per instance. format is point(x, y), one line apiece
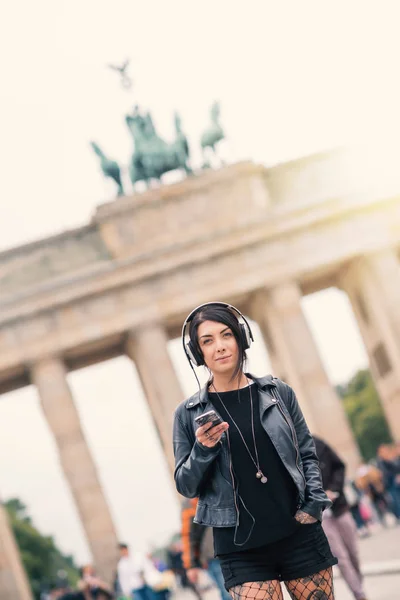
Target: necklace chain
point(260, 475)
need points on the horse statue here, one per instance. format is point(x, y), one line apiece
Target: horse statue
point(109, 167)
point(213, 134)
point(152, 156)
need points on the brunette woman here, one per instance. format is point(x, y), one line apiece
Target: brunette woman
point(255, 472)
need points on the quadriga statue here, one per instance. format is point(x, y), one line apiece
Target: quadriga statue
point(152, 156)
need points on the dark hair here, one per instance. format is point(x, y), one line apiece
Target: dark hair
point(123, 546)
point(219, 314)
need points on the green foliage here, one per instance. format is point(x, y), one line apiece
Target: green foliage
point(41, 558)
point(364, 410)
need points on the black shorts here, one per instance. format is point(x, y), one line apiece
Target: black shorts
point(301, 554)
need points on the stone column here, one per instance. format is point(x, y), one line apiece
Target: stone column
point(14, 583)
point(257, 309)
point(373, 286)
point(49, 377)
point(294, 352)
point(147, 348)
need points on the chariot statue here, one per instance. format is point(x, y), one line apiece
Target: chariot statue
point(153, 156)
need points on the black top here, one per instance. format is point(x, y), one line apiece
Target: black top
point(272, 504)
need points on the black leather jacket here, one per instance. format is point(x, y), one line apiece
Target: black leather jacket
point(204, 472)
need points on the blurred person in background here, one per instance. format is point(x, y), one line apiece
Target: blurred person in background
point(198, 549)
point(133, 574)
point(369, 480)
point(94, 587)
point(354, 500)
point(253, 467)
point(389, 464)
point(60, 591)
point(174, 559)
point(85, 594)
point(116, 586)
point(161, 579)
point(175, 563)
point(397, 450)
point(337, 521)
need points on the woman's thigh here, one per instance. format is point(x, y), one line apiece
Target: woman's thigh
point(257, 590)
point(313, 587)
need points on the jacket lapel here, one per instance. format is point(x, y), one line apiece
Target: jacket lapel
point(266, 401)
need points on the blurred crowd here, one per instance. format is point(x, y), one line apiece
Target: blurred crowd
point(374, 494)
point(372, 498)
point(184, 564)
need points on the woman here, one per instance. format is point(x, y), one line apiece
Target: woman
point(255, 473)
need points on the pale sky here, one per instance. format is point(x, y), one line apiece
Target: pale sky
point(292, 78)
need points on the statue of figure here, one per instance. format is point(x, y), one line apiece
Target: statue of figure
point(149, 128)
point(109, 167)
point(213, 134)
point(181, 137)
point(126, 81)
point(153, 156)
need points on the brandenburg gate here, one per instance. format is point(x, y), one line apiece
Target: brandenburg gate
point(257, 237)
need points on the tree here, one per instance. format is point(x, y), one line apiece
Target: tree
point(42, 560)
point(364, 410)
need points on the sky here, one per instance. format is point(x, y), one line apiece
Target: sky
point(292, 78)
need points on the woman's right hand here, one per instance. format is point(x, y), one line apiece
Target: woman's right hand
point(209, 435)
point(304, 518)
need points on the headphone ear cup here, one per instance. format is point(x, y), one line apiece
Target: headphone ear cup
point(196, 358)
point(245, 334)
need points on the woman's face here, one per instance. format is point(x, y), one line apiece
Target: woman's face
point(219, 347)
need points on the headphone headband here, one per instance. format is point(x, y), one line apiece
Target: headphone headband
point(188, 348)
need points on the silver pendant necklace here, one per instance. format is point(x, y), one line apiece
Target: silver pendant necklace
point(259, 474)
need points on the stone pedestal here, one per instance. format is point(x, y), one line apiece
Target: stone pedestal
point(373, 286)
point(13, 580)
point(147, 347)
point(58, 406)
point(294, 352)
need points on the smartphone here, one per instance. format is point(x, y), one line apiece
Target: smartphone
point(209, 417)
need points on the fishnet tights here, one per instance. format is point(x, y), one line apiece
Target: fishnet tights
point(315, 587)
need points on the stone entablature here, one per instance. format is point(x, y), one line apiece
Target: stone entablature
point(27, 268)
point(265, 241)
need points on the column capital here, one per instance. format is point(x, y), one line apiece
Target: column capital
point(151, 325)
point(151, 330)
point(51, 362)
point(286, 293)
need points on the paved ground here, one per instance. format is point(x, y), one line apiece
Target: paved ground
point(382, 546)
point(380, 559)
